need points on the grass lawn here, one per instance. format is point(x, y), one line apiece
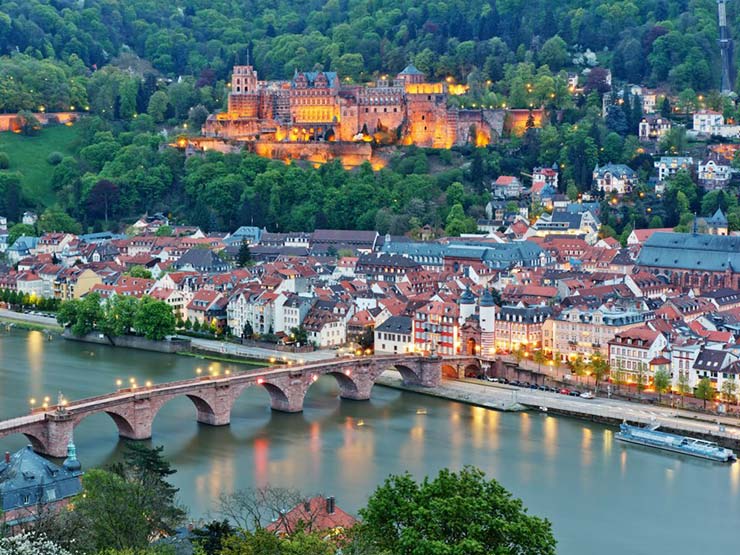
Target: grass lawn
point(28, 156)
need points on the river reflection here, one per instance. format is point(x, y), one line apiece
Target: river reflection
point(602, 497)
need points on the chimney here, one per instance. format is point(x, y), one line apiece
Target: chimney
point(307, 506)
point(7, 457)
point(330, 505)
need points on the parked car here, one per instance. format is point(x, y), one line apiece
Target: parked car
point(533, 386)
point(490, 379)
point(515, 383)
point(574, 393)
point(587, 395)
point(565, 391)
point(503, 380)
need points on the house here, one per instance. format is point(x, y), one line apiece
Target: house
point(248, 234)
point(714, 173)
point(317, 514)
point(564, 222)
point(614, 178)
point(203, 261)
point(580, 331)
point(174, 298)
point(638, 236)
point(507, 186)
point(707, 121)
point(669, 166)
point(386, 267)
point(714, 225)
point(545, 176)
point(29, 484)
point(54, 243)
point(394, 336)
point(636, 352)
point(202, 303)
point(331, 241)
point(22, 247)
point(325, 328)
point(653, 128)
point(520, 326)
point(29, 218)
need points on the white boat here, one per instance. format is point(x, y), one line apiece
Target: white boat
point(650, 437)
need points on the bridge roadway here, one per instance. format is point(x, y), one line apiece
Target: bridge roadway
point(133, 410)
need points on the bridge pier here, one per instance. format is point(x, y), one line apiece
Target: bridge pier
point(214, 406)
point(58, 432)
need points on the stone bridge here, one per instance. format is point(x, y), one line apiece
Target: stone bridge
point(133, 410)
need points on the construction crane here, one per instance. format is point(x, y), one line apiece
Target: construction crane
point(725, 48)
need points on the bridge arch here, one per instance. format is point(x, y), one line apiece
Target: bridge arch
point(38, 444)
point(408, 374)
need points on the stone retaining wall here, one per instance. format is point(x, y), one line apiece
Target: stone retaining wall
point(131, 342)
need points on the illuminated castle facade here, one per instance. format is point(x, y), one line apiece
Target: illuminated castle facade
point(316, 107)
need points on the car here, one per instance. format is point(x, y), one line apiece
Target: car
point(543, 388)
point(490, 379)
point(574, 393)
point(587, 395)
point(564, 391)
point(533, 386)
point(503, 380)
point(515, 383)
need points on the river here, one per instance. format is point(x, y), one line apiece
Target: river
point(601, 496)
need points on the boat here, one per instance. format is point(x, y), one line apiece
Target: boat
point(651, 437)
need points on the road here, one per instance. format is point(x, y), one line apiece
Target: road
point(207, 344)
point(224, 348)
point(31, 318)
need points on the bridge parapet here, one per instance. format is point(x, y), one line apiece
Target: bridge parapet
point(133, 411)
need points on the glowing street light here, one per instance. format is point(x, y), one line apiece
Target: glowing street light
point(119, 383)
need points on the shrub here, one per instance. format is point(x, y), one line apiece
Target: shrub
point(54, 158)
point(4, 161)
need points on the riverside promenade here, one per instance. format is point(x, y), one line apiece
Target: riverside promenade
point(722, 429)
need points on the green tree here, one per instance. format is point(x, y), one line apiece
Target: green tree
point(81, 316)
point(158, 104)
point(599, 368)
point(299, 335)
point(684, 388)
point(20, 230)
point(705, 391)
point(539, 357)
point(140, 272)
point(163, 231)
point(121, 314)
point(210, 537)
point(729, 390)
point(57, 220)
point(112, 510)
point(641, 378)
point(661, 382)
point(554, 53)
point(244, 257)
point(154, 319)
point(454, 513)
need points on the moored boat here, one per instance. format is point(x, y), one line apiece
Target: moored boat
point(650, 437)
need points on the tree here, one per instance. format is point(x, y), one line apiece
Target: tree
point(729, 391)
point(599, 368)
point(20, 230)
point(57, 220)
point(81, 316)
point(299, 335)
point(112, 510)
point(705, 391)
point(163, 231)
point(554, 53)
point(539, 357)
point(210, 537)
point(121, 315)
point(28, 123)
point(140, 272)
point(158, 104)
point(661, 382)
point(103, 197)
point(154, 319)
point(641, 380)
point(244, 258)
point(30, 543)
point(684, 387)
point(454, 513)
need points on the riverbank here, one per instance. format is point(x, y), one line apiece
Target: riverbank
point(612, 412)
point(229, 360)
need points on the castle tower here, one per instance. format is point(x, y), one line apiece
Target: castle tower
point(487, 323)
point(244, 98)
point(467, 306)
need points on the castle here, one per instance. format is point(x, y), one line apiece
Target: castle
point(316, 107)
